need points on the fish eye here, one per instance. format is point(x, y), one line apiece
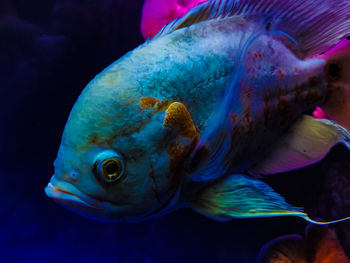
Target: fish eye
point(109, 166)
point(112, 169)
point(334, 71)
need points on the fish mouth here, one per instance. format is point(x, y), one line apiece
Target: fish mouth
point(68, 195)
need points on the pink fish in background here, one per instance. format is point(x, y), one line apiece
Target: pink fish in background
point(158, 13)
point(320, 245)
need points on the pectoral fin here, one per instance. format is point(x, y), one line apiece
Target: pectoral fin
point(240, 196)
point(308, 141)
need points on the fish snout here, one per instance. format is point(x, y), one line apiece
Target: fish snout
point(68, 195)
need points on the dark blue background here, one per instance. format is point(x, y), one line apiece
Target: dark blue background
point(49, 50)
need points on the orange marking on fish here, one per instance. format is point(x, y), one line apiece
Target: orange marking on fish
point(148, 102)
point(96, 139)
point(256, 55)
point(156, 104)
point(177, 153)
point(233, 117)
point(296, 70)
point(177, 116)
point(281, 73)
point(163, 105)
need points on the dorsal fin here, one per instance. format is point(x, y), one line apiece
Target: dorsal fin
point(315, 24)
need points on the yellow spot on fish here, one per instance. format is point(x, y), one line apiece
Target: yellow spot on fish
point(148, 102)
point(156, 104)
point(177, 154)
point(163, 105)
point(233, 117)
point(177, 116)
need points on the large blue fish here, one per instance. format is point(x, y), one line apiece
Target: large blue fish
point(187, 117)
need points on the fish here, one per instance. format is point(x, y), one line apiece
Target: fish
point(320, 245)
point(185, 119)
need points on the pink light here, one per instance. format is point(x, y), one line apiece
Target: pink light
point(158, 13)
point(320, 114)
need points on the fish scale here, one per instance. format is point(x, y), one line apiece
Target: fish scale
point(267, 104)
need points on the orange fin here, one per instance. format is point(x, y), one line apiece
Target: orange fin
point(321, 245)
point(178, 118)
point(324, 245)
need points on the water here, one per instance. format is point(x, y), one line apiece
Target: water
point(49, 50)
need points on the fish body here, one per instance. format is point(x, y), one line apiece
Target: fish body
point(176, 120)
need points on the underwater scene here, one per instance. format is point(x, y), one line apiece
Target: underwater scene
point(175, 131)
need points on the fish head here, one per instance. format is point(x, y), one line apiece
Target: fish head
point(121, 155)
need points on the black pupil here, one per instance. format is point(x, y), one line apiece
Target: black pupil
point(333, 70)
point(112, 168)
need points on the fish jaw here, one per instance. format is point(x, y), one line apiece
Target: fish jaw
point(69, 196)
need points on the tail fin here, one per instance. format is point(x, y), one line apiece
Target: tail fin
point(337, 70)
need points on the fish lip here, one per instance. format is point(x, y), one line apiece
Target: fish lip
point(63, 192)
